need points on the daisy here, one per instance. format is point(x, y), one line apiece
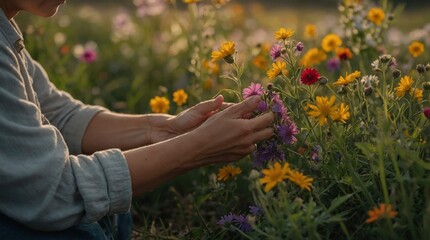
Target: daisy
point(324, 107)
point(225, 51)
point(300, 180)
point(405, 85)
point(309, 76)
point(277, 68)
point(274, 175)
point(159, 104)
point(383, 211)
point(228, 172)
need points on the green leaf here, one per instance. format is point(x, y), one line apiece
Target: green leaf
point(339, 201)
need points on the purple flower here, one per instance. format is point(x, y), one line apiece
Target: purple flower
point(253, 89)
point(262, 106)
point(256, 210)
point(299, 47)
point(268, 150)
point(278, 105)
point(315, 154)
point(89, 55)
point(226, 219)
point(243, 223)
point(288, 132)
point(276, 51)
point(333, 64)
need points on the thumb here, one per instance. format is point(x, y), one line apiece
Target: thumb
point(209, 106)
point(245, 107)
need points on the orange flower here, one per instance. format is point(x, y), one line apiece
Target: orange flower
point(380, 212)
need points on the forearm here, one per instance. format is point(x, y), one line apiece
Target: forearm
point(155, 164)
point(125, 131)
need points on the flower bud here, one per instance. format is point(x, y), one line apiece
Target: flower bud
point(368, 91)
point(385, 58)
point(229, 59)
point(421, 68)
point(426, 86)
point(283, 50)
point(270, 86)
point(426, 112)
point(342, 90)
point(428, 67)
point(390, 17)
point(322, 80)
point(396, 73)
point(254, 175)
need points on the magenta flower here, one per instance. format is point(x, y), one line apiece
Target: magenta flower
point(288, 132)
point(276, 51)
point(426, 112)
point(299, 47)
point(89, 55)
point(253, 89)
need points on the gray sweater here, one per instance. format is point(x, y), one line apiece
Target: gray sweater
point(45, 181)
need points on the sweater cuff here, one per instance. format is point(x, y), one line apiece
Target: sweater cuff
point(118, 180)
point(77, 125)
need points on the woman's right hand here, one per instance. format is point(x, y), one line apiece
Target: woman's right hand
point(229, 136)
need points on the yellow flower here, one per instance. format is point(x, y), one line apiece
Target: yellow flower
point(313, 57)
point(323, 108)
point(260, 62)
point(190, 1)
point(417, 94)
point(331, 42)
point(348, 79)
point(404, 86)
point(208, 84)
point(376, 15)
point(416, 48)
point(277, 68)
point(300, 180)
point(212, 67)
point(310, 31)
point(274, 175)
point(224, 52)
point(341, 114)
point(383, 211)
point(227, 172)
point(159, 104)
point(180, 97)
point(283, 34)
point(352, 2)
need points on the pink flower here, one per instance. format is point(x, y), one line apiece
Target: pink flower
point(89, 55)
point(276, 51)
point(253, 89)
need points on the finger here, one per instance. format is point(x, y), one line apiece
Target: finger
point(209, 106)
point(246, 106)
point(262, 121)
point(263, 134)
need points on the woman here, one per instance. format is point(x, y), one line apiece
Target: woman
point(66, 167)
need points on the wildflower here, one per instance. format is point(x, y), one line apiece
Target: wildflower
point(277, 68)
point(253, 89)
point(348, 79)
point(313, 57)
point(274, 175)
point(300, 180)
point(299, 47)
point(226, 219)
point(276, 51)
point(404, 86)
point(243, 223)
point(426, 86)
point(310, 31)
point(343, 53)
point(256, 210)
point(283, 34)
point(288, 132)
point(315, 155)
point(159, 104)
point(383, 211)
point(225, 51)
point(426, 112)
point(190, 1)
point(417, 94)
point(212, 67)
point(268, 150)
point(180, 97)
point(428, 67)
point(341, 114)
point(396, 73)
point(421, 68)
point(331, 42)
point(324, 107)
point(260, 62)
point(416, 48)
point(89, 55)
point(309, 76)
point(369, 80)
point(333, 64)
point(376, 15)
point(228, 172)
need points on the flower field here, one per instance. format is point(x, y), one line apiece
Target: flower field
point(350, 158)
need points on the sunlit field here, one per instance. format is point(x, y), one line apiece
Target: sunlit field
point(349, 85)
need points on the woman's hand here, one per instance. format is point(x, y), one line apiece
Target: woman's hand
point(165, 126)
point(228, 136)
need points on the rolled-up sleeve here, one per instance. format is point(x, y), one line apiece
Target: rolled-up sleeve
point(42, 185)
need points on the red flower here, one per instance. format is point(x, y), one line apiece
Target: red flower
point(426, 112)
point(309, 76)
